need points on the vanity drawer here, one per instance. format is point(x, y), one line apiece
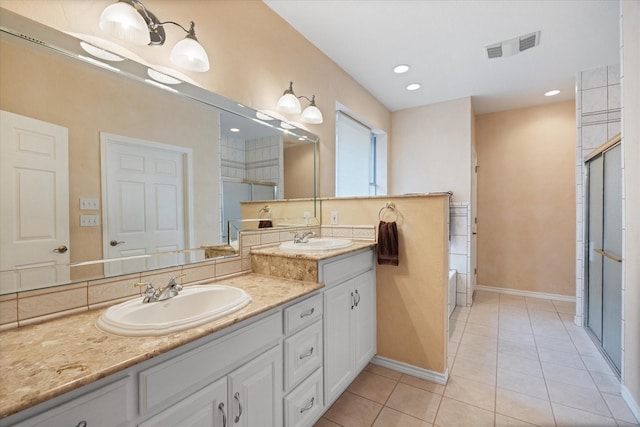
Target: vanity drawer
point(95, 408)
point(304, 405)
point(175, 378)
point(343, 269)
point(302, 354)
point(302, 314)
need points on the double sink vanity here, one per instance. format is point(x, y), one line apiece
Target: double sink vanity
point(249, 350)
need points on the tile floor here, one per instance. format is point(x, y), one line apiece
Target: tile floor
point(514, 361)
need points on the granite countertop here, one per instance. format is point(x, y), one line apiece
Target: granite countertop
point(274, 250)
point(43, 361)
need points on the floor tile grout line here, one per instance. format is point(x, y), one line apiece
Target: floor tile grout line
point(544, 377)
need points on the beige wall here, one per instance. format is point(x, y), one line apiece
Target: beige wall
point(298, 160)
point(253, 53)
point(412, 297)
point(631, 146)
point(431, 149)
point(88, 101)
point(526, 199)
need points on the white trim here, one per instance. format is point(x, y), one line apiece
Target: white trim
point(405, 368)
point(631, 403)
point(532, 294)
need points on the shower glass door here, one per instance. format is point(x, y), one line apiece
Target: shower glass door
point(604, 255)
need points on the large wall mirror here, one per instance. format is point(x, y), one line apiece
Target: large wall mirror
point(115, 163)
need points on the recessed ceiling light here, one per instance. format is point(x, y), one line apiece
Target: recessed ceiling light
point(234, 130)
point(552, 92)
point(399, 69)
point(413, 86)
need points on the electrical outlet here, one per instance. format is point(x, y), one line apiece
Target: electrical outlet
point(334, 217)
point(89, 220)
point(87, 204)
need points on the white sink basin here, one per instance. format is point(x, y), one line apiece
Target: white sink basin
point(316, 244)
point(193, 306)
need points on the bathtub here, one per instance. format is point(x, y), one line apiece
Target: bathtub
point(452, 287)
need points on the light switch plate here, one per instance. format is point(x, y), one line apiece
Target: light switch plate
point(89, 220)
point(88, 204)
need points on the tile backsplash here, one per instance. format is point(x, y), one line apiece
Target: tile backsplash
point(28, 307)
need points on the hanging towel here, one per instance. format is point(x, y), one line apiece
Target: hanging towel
point(265, 223)
point(388, 243)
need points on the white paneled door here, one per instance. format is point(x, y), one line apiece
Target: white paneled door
point(34, 203)
point(145, 203)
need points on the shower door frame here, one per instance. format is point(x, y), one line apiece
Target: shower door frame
point(600, 151)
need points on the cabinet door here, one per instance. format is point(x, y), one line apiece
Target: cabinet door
point(204, 408)
point(364, 319)
point(255, 392)
point(339, 303)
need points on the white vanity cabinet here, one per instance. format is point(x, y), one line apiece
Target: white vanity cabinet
point(349, 320)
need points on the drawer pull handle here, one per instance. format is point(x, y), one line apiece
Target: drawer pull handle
point(307, 354)
point(309, 406)
point(82, 424)
point(237, 398)
point(224, 416)
point(307, 313)
point(358, 299)
point(353, 301)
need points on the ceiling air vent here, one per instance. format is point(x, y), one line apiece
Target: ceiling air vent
point(494, 51)
point(513, 46)
point(529, 41)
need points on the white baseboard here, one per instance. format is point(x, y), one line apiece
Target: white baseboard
point(633, 405)
point(405, 368)
point(532, 294)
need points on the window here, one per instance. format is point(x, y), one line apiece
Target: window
point(359, 155)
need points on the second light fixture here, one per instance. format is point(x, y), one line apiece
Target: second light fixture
point(289, 103)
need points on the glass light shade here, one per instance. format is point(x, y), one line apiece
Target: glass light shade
point(312, 114)
point(288, 103)
point(190, 55)
point(123, 21)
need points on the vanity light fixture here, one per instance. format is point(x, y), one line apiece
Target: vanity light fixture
point(131, 21)
point(552, 92)
point(413, 86)
point(289, 103)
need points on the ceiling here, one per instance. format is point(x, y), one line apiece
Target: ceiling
point(444, 43)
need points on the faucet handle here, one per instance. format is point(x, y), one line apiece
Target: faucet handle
point(141, 284)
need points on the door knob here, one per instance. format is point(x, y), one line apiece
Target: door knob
point(61, 249)
point(115, 243)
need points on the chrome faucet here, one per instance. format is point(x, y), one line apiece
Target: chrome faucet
point(152, 294)
point(304, 238)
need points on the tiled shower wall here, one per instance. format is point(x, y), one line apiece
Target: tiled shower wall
point(460, 251)
point(263, 163)
point(232, 157)
point(598, 115)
